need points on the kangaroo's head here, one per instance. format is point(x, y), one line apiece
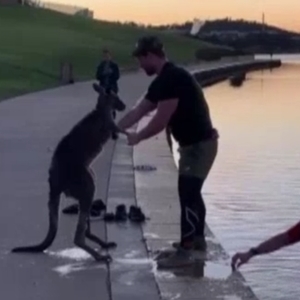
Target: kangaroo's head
point(108, 99)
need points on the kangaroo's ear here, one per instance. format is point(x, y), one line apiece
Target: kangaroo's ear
point(98, 89)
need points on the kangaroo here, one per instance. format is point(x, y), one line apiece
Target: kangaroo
point(70, 172)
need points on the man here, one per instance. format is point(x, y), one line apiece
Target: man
point(108, 74)
point(286, 238)
point(182, 109)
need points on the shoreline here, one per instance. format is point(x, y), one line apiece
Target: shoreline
point(124, 71)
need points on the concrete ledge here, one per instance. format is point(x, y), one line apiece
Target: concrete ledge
point(219, 73)
point(131, 273)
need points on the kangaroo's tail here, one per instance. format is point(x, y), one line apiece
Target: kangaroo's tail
point(53, 206)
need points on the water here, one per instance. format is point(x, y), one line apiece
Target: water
point(253, 191)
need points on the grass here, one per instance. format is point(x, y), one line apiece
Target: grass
point(35, 41)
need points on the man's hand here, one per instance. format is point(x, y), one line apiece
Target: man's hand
point(133, 138)
point(239, 259)
point(136, 113)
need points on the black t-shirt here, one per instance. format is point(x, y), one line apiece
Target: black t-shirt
point(191, 122)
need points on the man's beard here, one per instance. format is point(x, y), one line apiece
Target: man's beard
point(150, 71)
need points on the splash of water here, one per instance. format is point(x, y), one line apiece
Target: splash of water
point(71, 253)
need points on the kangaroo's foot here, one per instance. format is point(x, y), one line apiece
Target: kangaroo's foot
point(94, 238)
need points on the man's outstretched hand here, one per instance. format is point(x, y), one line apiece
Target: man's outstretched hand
point(239, 259)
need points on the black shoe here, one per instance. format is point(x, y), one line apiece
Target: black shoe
point(121, 214)
point(136, 214)
point(94, 213)
point(71, 209)
point(109, 217)
point(98, 205)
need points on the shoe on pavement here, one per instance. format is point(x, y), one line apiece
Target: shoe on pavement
point(199, 244)
point(180, 258)
point(97, 206)
point(121, 214)
point(71, 209)
point(136, 214)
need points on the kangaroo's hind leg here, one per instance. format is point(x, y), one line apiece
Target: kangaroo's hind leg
point(88, 232)
point(97, 240)
point(83, 189)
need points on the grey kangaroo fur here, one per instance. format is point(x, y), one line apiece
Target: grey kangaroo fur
point(70, 172)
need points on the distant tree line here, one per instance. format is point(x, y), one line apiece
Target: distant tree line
point(245, 36)
point(225, 25)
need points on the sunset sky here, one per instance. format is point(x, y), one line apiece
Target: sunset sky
point(284, 13)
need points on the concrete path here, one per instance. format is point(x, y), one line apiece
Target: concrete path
point(30, 127)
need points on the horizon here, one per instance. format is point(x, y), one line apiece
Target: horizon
point(280, 14)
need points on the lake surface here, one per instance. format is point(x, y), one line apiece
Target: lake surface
point(253, 191)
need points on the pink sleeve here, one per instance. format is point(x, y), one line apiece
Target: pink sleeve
point(294, 234)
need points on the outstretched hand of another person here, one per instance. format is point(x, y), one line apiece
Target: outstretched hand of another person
point(239, 259)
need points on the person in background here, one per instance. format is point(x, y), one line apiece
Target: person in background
point(286, 238)
point(108, 74)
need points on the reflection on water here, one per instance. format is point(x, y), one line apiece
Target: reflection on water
point(254, 188)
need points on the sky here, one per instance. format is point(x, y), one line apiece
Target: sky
point(283, 13)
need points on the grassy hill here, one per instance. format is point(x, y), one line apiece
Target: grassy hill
point(35, 41)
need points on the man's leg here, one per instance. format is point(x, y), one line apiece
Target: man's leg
point(199, 241)
point(192, 210)
point(195, 163)
point(189, 195)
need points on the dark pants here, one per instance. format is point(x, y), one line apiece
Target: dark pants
point(193, 210)
point(194, 165)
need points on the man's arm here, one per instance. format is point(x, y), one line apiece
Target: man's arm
point(136, 113)
point(165, 110)
point(274, 243)
point(165, 93)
